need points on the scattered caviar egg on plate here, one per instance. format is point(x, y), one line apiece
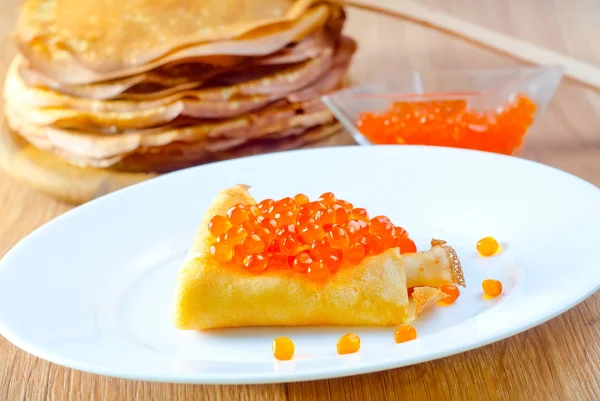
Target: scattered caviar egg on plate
point(283, 348)
point(405, 333)
point(491, 288)
point(487, 246)
point(349, 343)
point(452, 293)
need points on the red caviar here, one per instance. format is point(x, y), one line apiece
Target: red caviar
point(452, 293)
point(451, 123)
point(405, 333)
point(491, 288)
point(315, 238)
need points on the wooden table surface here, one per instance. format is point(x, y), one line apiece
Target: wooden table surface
point(557, 360)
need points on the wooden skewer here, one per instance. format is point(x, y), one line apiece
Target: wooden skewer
point(579, 71)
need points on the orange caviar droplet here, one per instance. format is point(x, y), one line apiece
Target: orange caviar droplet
point(491, 288)
point(235, 235)
point(301, 199)
point(348, 344)
point(237, 214)
point(319, 249)
point(333, 261)
point(405, 333)
point(407, 245)
point(219, 225)
point(283, 348)
point(289, 246)
point(338, 238)
point(255, 263)
point(375, 244)
point(327, 198)
point(325, 217)
point(318, 272)
point(302, 262)
point(487, 246)
point(360, 214)
point(277, 260)
point(342, 214)
point(266, 204)
point(221, 252)
point(312, 232)
point(253, 244)
point(452, 293)
point(285, 217)
point(354, 254)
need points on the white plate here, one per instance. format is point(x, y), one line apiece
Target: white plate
point(92, 290)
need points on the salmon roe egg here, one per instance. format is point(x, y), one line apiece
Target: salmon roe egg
point(237, 214)
point(255, 263)
point(289, 246)
point(338, 238)
point(283, 348)
point(219, 225)
point(266, 204)
point(452, 293)
point(221, 252)
point(235, 235)
point(360, 214)
point(327, 198)
point(302, 262)
point(277, 260)
point(318, 272)
point(349, 343)
point(375, 244)
point(405, 333)
point(487, 246)
point(319, 249)
point(312, 232)
point(301, 199)
point(333, 261)
point(407, 245)
point(325, 217)
point(354, 254)
point(491, 288)
point(253, 244)
point(342, 214)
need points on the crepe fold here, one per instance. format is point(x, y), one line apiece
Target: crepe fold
point(209, 295)
point(196, 82)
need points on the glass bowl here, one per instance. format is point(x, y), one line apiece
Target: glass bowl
point(488, 110)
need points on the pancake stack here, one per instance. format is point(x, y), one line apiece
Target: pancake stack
point(155, 86)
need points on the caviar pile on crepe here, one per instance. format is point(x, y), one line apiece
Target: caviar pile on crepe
point(294, 261)
point(161, 85)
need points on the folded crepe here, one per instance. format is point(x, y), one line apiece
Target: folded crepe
point(374, 292)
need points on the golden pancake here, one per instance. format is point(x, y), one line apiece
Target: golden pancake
point(54, 61)
point(95, 30)
point(220, 102)
point(168, 80)
point(211, 295)
point(98, 146)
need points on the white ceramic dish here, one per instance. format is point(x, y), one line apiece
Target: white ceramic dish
point(92, 290)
